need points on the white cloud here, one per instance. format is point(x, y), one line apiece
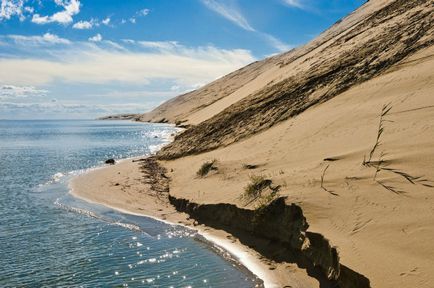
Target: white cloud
point(138, 63)
point(12, 92)
point(230, 13)
point(83, 25)
point(115, 45)
point(106, 21)
point(162, 45)
point(133, 19)
point(57, 109)
point(96, 38)
point(46, 39)
point(144, 12)
point(71, 8)
point(29, 9)
point(294, 3)
point(38, 19)
point(52, 38)
point(276, 43)
point(11, 8)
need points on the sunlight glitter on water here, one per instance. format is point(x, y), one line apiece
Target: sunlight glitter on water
point(81, 244)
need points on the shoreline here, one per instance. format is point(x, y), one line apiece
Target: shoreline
point(241, 258)
point(271, 274)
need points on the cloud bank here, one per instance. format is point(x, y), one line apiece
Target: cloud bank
point(141, 73)
point(13, 92)
point(134, 62)
point(45, 40)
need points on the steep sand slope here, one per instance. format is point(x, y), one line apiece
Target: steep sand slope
point(179, 108)
point(386, 236)
point(360, 53)
point(202, 104)
point(285, 65)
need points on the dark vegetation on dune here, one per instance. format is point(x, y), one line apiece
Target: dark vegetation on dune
point(358, 54)
point(207, 167)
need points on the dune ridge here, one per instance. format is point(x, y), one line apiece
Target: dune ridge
point(358, 54)
point(342, 127)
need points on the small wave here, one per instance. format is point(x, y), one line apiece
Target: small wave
point(155, 148)
point(88, 213)
point(56, 177)
point(76, 210)
point(128, 226)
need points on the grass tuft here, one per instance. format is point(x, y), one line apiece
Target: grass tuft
point(255, 191)
point(257, 184)
point(381, 165)
point(207, 167)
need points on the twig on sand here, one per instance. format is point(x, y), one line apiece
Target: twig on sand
point(391, 188)
point(322, 182)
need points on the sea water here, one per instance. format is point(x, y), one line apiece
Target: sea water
point(50, 239)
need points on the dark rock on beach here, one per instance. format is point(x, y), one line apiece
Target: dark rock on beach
point(110, 161)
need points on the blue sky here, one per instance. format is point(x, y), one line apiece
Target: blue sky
point(87, 58)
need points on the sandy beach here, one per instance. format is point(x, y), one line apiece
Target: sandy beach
point(133, 196)
point(343, 127)
point(223, 143)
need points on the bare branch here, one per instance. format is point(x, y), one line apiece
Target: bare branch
point(322, 182)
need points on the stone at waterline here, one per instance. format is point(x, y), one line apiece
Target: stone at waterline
point(110, 161)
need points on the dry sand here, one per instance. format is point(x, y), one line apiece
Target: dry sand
point(387, 237)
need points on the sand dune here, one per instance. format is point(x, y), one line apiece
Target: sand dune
point(383, 235)
point(308, 121)
point(360, 53)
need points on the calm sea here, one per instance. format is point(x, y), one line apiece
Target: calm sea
point(50, 239)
